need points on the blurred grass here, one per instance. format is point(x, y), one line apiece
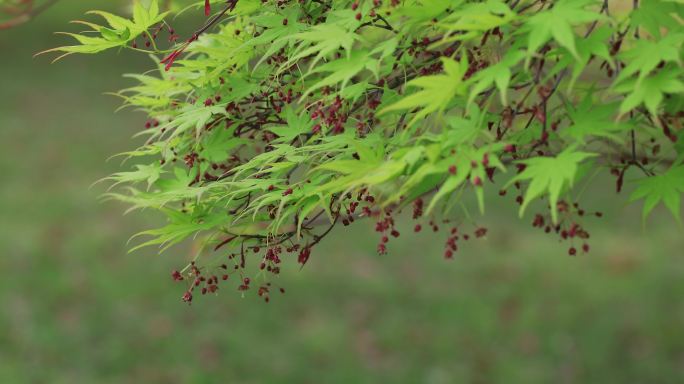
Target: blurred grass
point(76, 308)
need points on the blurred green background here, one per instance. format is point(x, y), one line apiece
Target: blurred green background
point(76, 308)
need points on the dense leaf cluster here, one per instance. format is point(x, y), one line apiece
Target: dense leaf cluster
point(277, 120)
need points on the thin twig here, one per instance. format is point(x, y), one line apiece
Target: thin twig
point(27, 16)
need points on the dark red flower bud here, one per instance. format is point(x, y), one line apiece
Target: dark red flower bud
point(176, 276)
point(304, 255)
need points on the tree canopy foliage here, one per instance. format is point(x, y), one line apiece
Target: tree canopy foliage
point(277, 120)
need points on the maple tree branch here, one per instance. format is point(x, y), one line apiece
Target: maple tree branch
point(27, 16)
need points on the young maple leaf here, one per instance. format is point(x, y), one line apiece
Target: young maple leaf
point(437, 92)
point(558, 22)
point(666, 188)
point(651, 90)
point(646, 55)
point(549, 175)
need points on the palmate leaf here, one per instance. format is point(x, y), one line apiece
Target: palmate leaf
point(646, 55)
point(371, 169)
point(345, 68)
point(557, 23)
point(222, 51)
point(122, 30)
point(474, 19)
point(321, 40)
point(182, 179)
point(362, 176)
point(181, 226)
point(191, 117)
point(590, 119)
point(296, 125)
point(651, 90)
point(88, 45)
point(468, 165)
point(463, 130)
point(595, 45)
point(549, 175)
point(654, 15)
point(424, 168)
point(218, 145)
point(342, 70)
point(423, 11)
point(276, 35)
point(498, 74)
point(437, 91)
point(152, 93)
point(148, 173)
point(666, 188)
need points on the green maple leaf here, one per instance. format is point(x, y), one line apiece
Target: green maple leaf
point(647, 54)
point(181, 225)
point(557, 23)
point(183, 179)
point(654, 15)
point(651, 90)
point(666, 188)
point(342, 70)
point(190, 116)
point(437, 91)
point(149, 173)
point(321, 40)
point(466, 161)
point(592, 119)
point(296, 125)
point(275, 35)
point(595, 45)
point(499, 74)
point(474, 19)
point(121, 30)
point(549, 175)
point(218, 146)
point(419, 12)
point(464, 130)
